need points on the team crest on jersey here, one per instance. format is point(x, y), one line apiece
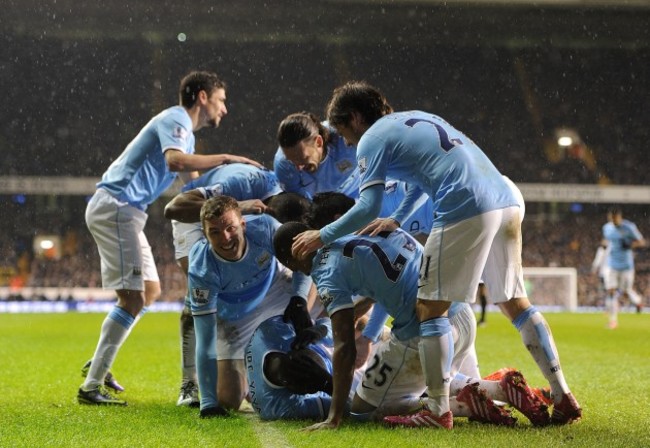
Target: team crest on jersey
point(214, 190)
point(325, 297)
point(200, 296)
point(263, 259)
point(343, 165)
point(180, 133)
point(363, 165)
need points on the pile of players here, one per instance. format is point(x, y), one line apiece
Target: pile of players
point(293, 273)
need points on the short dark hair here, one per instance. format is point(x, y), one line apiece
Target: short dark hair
point(300, 371)
point(360, 97)
point(196, 81)
point(283, 240)
point(287, 207)
point(325, 206)
point(217, 206)
point(299, 126)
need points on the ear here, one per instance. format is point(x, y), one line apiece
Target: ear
point(319, 141)
point(203, 96)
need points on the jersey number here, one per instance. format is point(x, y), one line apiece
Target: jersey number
point(446, 143)
point(392, 269)
point(381, 375)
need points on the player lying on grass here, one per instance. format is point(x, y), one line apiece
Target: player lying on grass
point(385, 267)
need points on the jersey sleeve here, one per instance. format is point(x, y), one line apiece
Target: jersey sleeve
point(175, 132)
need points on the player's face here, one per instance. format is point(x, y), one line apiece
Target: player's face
point(215, 108)
point(226, 235)
point(307, 154)
point(353, 130)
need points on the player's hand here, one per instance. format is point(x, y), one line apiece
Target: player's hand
point(327, 424)
point(309, 336)
point(379, 225)
point(306, 243)
point(296, 312)
point(252, 207)
point(241, 159)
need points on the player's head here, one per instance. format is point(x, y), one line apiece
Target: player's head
point(303, 140)
point(287, 207)
point(616, 214)
point(354, 107)
point(282, 242)
point(327, 207)
point(209, 92)
point(224, 227)
point(300, 371)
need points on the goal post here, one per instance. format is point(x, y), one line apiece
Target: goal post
point(552, 288)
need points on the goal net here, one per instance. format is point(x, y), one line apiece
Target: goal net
point(552, 288)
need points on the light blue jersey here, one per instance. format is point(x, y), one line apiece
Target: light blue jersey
point(140, 174)
point(432, 157)
point(385, 268)
point(274, 402)
point(238, 180)
point(621, 256)
point(338, 164)
point(424, 150)
point(234, 288)
point(420, 221)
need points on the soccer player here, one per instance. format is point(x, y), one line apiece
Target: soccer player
point(386, 267)
point(258, 191)
point(476, 233)
point(116, 215)
point(312, 156)
point(621, 237)
point(236, 283)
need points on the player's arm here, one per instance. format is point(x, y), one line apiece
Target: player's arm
point(185, 207)
point(367, 207)
point(205, 327)
point(414, 197)
point(343, 362)
point(178, 161)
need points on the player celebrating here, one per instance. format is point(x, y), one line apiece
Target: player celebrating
point(476, 233)
point(312, 156)
point(258, 191)
point(116, 215)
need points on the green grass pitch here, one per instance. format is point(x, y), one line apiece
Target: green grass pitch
point(41, 356)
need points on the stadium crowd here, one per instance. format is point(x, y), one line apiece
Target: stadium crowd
point(574, 246)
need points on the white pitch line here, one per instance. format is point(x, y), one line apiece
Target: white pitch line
point(268, 436)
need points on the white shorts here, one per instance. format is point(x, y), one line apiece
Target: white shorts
point(118, 229)
point(394, 372)
point(621, 280)
point(233, 336)
point(458, 256)
point(185, 235)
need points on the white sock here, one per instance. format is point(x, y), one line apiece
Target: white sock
point(537, 337)
point(436, 353)
point(115, 329)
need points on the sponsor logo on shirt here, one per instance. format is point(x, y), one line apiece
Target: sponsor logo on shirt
point(200, 296)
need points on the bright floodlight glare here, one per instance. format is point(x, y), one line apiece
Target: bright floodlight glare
point(181, 37)
point(565, 141)
point(47, 244)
